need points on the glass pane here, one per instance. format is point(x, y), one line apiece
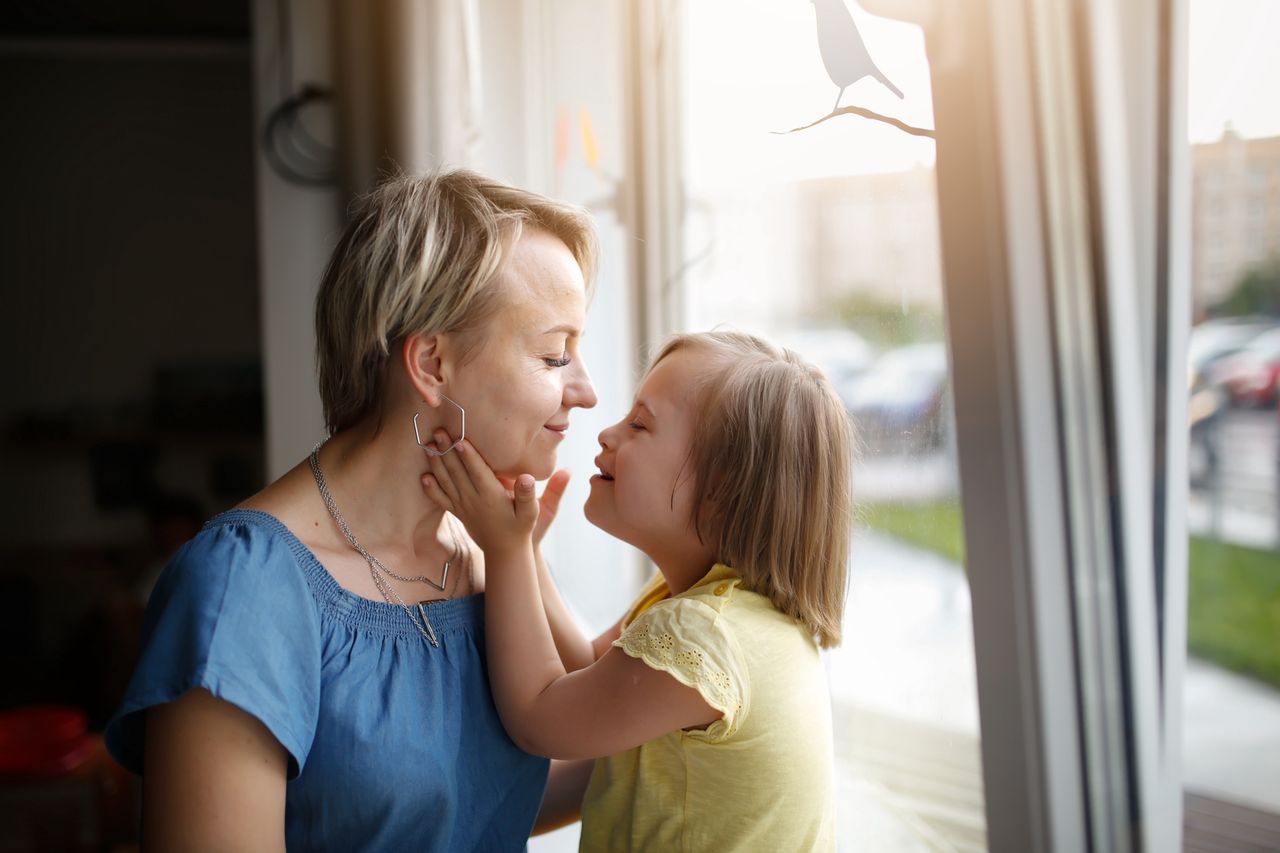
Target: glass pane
point(826, 240)
point(1232, 688)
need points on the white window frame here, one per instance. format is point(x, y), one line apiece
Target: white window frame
point(1063, 197)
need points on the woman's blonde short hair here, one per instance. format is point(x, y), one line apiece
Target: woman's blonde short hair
point(419, 255)
point(771, 459)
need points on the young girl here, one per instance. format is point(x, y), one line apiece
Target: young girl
point(709, 714)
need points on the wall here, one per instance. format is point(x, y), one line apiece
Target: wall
point(127, 245)
point(297, 227)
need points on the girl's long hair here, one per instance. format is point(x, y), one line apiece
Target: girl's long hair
point(771, 458)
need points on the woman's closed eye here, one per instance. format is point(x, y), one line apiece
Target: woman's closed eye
point(562, 361)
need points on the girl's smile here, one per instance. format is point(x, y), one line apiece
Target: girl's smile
point(644, 492)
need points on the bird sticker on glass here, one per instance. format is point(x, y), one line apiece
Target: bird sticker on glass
point(844, 53)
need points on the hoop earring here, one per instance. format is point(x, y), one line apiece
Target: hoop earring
point(431, 450)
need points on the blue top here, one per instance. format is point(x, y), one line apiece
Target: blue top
point(393, 744)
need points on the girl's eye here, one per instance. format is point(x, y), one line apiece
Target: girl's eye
point(636, 425)
point(562, 361)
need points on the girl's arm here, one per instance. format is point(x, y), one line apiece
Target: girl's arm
point(612, 705)
point(562, 802)
point(214, 780)
point(574, 646)
point(601, 644)
point(576, 650)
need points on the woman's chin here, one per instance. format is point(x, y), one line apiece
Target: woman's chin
point(507, 468)
point(539, 470)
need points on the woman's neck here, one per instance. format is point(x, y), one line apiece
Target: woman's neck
point(376, 481)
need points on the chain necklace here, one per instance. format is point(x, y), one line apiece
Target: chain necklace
point(377, 568)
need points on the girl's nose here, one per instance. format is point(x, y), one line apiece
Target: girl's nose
point(606, 436)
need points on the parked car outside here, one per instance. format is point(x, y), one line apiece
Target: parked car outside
point(1210, 343)
point(843, 354)
point(1251, 375)
point(900, 403)
point(1216, 339)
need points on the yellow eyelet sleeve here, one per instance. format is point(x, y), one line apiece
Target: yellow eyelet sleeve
point(685, 638)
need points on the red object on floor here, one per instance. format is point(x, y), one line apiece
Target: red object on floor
point(42, 741)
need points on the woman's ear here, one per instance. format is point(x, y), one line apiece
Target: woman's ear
point(421, 356)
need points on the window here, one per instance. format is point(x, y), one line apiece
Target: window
point(1231, 700)
point(826, 240)
point(1007, 323)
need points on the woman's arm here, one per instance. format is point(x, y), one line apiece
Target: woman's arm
point(214, 778)
point(562, 802)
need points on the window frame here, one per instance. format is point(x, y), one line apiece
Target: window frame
point(1064, 206)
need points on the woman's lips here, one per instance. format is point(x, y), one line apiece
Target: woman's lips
point(558, 431)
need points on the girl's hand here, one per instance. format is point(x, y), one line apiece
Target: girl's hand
point(549, 503)
point(463, 484)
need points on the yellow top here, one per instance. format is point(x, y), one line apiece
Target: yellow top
point(761, 777)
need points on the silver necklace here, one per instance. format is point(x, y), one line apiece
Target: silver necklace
point(377, 568)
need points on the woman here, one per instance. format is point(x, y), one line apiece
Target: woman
point(313, 665)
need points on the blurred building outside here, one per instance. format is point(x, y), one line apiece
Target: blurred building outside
point(876, 235)
point(1235, 210)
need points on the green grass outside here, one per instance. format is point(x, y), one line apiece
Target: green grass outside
point(1233, 597)
point(1234, 613)
point(935, 527)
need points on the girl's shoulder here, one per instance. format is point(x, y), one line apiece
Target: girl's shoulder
point(722, 611)
point(724, 592)
point(717, 614)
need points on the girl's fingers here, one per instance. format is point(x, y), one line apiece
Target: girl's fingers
point(462, 479)
point(442, 477)
point(525, 501)
point(549, 503)
point(554, 491)
point(433, 490)
point(476, 466)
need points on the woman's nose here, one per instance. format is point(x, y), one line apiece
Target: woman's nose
point(580, 392)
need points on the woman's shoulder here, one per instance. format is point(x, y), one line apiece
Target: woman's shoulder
point(230, 613)
point(240, 532)
point(284, 503)
point(239, 552)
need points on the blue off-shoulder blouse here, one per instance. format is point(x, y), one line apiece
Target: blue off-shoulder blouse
point(392, 744)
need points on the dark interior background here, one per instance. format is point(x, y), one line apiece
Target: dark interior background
point(130, 321)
